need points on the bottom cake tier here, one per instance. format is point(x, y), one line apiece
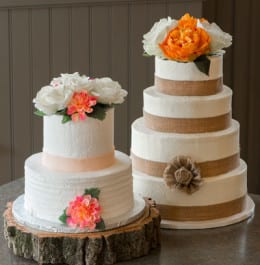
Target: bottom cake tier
point(48, 193)
point(219, 197)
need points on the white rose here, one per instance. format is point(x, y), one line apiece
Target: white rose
point(219, 38)
point(157, 34)
point(108, 91)
point(51, 99)
point(73, 82)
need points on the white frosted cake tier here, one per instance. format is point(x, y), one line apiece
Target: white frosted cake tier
point(163, 105)
point(173, 70)
point(78, 140)
point(215, 190)
point(48, 193)
point(162, 147)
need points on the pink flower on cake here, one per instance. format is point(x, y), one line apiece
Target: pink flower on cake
point(80, 104)
point(84, 212)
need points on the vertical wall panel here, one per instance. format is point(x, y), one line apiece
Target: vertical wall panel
point(21, 93)
point(60, 40)
point(100, 62)
point(227, 20)
point(40, 66)
point(119, 71)
point(137, 62)
point(241, 71)
point(80, 40)
point(176, 10)
point(254, 99)
point(5, 95)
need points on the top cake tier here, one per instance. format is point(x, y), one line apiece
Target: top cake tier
point(185, 79)
point(78, 146)
point(188, 55)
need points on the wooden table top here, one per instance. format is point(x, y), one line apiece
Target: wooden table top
point(237, 244)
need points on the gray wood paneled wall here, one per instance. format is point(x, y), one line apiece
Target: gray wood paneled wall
point(241, 66)
point(40, 39)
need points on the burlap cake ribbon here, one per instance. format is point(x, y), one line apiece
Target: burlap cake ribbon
point(202, 213)
point(188, 88)
point(207, 169)
point(187, 125)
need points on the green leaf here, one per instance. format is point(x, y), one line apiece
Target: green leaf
point(203, 64)
point(39, 113)
point(66, 118)
point(94, 192)
point(62, 112)
point(101, 225)
point(63, 217)
point(99, 111)
point(146, 54)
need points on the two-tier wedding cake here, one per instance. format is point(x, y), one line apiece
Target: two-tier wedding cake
point(79, 204)
point(185, 148)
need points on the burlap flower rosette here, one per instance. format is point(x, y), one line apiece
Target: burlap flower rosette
point(183, 174)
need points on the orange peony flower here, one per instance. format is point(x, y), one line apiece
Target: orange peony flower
point(186, 42)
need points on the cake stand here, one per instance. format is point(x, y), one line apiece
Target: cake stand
point(31, 238)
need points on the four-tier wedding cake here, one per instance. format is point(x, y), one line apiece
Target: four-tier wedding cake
point(185, 148)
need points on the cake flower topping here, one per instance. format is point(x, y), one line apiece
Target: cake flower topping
point(75, 97)
point(80, 104)
point(84, 211)
point(186, 40)
point(183, 174)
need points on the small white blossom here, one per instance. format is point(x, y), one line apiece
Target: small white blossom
point(73, 81)
point(49, 100)
point(219, 38)
point(157, 34)
point(108, 91)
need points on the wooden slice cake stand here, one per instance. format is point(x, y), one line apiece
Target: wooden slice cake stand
point(96, 248)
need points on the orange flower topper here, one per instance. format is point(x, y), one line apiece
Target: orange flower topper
point(80, 104)
point(186, 42)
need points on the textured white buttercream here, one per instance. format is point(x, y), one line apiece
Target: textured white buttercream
point(162, 147)
point(215, 190)
point(172, 70)
point(82, 139)
point(47, 193)
point(164, 105)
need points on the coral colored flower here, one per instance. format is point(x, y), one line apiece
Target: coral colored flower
point(186, 42)
point(80, 104)
point(84, 212)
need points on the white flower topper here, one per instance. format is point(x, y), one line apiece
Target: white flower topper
point(102, 93)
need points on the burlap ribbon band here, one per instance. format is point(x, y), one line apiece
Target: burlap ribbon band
point(202, 213)
point(188, 88)
point(207, 169)
point(187, 125)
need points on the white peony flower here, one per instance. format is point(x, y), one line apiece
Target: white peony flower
point(73, 82)
point(107, 91)
point(219, 38)
point(157, 34)
point(52, 99)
